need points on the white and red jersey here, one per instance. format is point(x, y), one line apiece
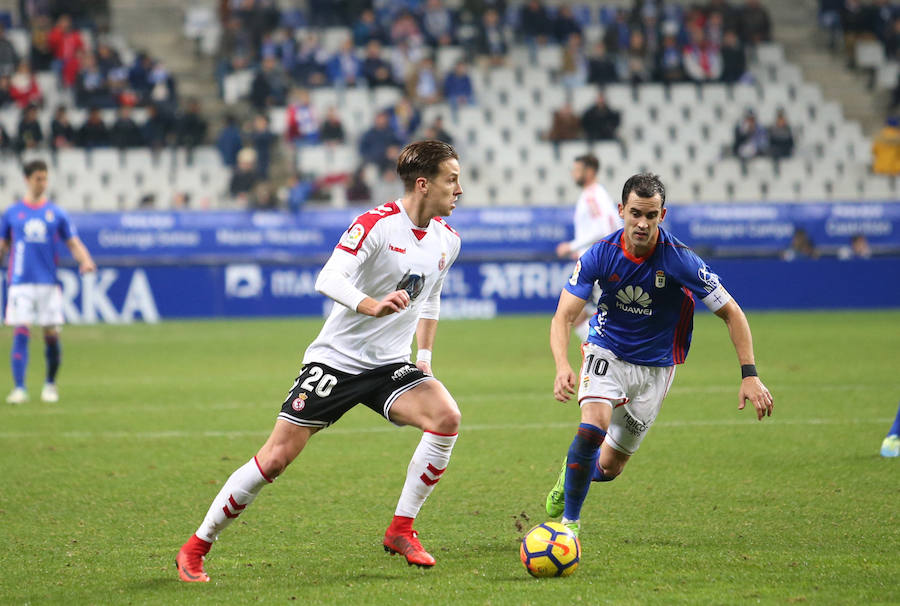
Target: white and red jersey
point(383, 251)
point(596, 215)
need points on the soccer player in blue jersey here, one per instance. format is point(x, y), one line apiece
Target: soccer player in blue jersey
point(641, 331)
point(890, 447)
point(30, 230)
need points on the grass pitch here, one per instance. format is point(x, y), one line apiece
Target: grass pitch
point(100, 490)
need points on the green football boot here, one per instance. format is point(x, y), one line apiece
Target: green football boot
point(575, 527)
point(556, 498)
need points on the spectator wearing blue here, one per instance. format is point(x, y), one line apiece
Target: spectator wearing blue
point(269, 87)
point(617, 34)
point(375, 69)
point(344, 67)
point(422, 85)
point(669, 66)
point(298, 192)
point(438, 23)
point(302, 121)
point(535, 23)
point(750, 138)
point(565, 24)
point(91, 87)
point(404, 120)
point(281, 45)
point(367, 29)
point(229, 141)
point(374, 143)
point(458, 88)
point(310, 66)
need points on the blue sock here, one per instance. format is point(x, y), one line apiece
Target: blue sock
point(19, 355)
point(895, 428)
point(53, 353)
point(579, 465)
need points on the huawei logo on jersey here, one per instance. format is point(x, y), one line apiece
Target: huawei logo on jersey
point(397, 249)
point(412, 284)
point(35, 230)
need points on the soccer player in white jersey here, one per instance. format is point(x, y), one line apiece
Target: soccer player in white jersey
point(30, 230)
point(385, 274)
point(596, 215)
point(641, 331)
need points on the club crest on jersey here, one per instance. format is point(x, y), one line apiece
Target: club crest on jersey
point(353, 236)
point(660, 279)
point(412, 284)
point(299, 402)
point(48, 216)
point(443, 262)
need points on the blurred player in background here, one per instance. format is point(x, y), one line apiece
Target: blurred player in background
point(30, 230)
point(890, 447)
point(386, 275)
point(642, 329)
point(596, 215)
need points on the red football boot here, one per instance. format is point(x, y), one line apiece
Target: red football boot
point(189, 560)
point(401, 538)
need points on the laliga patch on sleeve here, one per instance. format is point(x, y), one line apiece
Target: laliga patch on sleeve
point(574, 279)
point(353, 237)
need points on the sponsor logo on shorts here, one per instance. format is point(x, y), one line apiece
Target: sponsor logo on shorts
point(634, 426)
point(299, 402)
point(402, 372)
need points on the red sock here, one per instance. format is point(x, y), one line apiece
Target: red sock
point(401, 525)
point(198, 545)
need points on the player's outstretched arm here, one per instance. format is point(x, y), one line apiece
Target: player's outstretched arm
point(751, 387)
point(80, 253)
point(567, 311)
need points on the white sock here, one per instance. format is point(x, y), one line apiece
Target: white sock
point(425, 469)
point(238, 492)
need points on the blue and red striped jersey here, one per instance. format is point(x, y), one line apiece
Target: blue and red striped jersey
point(645, 314)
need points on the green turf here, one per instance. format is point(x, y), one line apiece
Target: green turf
point(100, 490)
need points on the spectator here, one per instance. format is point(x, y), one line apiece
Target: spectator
point(281, 45)
point(404, 120)
point(263, 197)
point(93, 133)
point(886, 148)
point(5, 96)
point(312, 59)
point(344, 67)
point(119, 91)
point(245, 177)
point(375, 70)
point(714, 29)
point(490, 42)
point(157, 129)
point(734, 60)
point(750, 139)
point(298, 192)
point(574, 63)
point(458, 88)
point(62, 133)
point(107, 58)
point(229, 141)
point(125, 133)
point(262, 139)
point(617, 35)
point(756, 26)
point(534, 23)
point(374, 143)
point(634, 65)
point(332, 131)
point(139, 75)
point(437, 131)
point(781, 139)
point(600, 121)
point(880, 16)
point(40, 55)
point(566, 126)
point(702, 60)
point(801, 247)
point(357, 190)
point(367, 29)
point(91, 89)
point(669, 66)
point(853, 24)
point(269, 87)
point(830, 20)
point(162, 87)
point(404, 56)
point(859, 249)
point(601, 67)
point(30, 135)
point(302, 121)
point(437, 22)
point(475, 9)
point(9, 58)
point(731, 16)
point(892, 41)
point(422, 85)
point(649, 26)
point(405, 29)
point(23, 87)
point(64, 41)
point(191, 127)
point(565, 25)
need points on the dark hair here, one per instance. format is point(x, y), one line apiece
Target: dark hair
point(589, 160)
point(33, 167)
point(423, 159)
point(645, 185)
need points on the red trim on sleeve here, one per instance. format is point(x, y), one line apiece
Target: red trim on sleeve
point(447, 225)
point(367, 221)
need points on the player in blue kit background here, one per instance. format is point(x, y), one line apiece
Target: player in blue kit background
point(30, 230)
point(641, 331)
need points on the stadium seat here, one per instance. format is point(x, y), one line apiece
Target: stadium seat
point(869, 53)
point(879, 187)
point(782, 190)
point(769, 53)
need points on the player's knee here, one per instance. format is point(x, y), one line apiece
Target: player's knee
point(447, 420)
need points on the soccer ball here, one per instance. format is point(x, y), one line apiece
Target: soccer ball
point(550, 550)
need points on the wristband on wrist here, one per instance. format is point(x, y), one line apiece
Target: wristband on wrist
point(748, 370)
point(423, 355)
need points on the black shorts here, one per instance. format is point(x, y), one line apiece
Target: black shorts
point(321, 394)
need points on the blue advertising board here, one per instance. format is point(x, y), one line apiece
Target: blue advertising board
point(472, 289)
point(488, 234)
